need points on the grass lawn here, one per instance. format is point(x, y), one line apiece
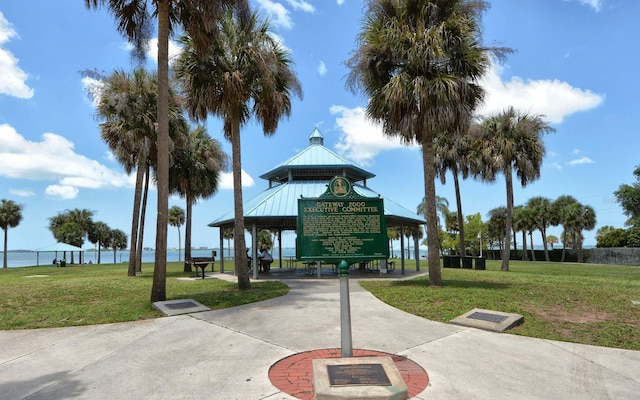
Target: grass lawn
point(583, 303)
point(98, 294)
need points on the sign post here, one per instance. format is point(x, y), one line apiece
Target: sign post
point(342, 228)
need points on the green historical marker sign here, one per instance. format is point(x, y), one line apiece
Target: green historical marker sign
point(341, 225)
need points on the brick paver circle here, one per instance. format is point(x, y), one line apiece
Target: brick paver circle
point(294, 374)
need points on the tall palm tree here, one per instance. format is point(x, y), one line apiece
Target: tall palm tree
point(393, 233)
point(452, 149)
point(118, 241)
point(519, 224)
point(10, 217)
point(134, 19)
point(542, 214)
point(418, 61)
point(245, 73)
point(577, 218)
point(511, 141)
point(442, 209)
point(99, 235)
point(128, 109)
point(195, 174)
point(227, 233)
point(562, 217)
point(495, 225)
point(176, 218)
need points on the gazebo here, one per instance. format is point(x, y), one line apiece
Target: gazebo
point(62, 247)
point(307, 174)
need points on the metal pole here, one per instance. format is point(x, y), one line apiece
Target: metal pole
point(345, 311)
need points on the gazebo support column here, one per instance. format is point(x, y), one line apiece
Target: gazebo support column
point(221, 250)
point(280, 247)
point(402, 248)
point(254, 250)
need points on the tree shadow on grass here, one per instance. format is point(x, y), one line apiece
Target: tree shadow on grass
point(455, 283)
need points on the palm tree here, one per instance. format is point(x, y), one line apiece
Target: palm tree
point(176, 218)
point(195, 174)
point(442, 208)
point(561, 217)
point(519, 224)
point(10, 217)
point(128, 109)
point(495, 226)
point(393, 233)
point(418, 62)
point(99, 234)
point(227, 233)
point(245, 72)
point(578, 217)
point(452, 151)
point(542, 214)
point(134, 19)
point(117, 241)
point(510, 141)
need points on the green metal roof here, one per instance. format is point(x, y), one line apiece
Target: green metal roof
point(307, 174)
point(279, 205)
point(316, 162)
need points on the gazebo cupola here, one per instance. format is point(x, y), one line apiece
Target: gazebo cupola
point(316, 162)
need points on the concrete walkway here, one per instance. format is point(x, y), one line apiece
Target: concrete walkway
point(226, 354)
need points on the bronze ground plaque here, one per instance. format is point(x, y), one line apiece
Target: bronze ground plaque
point(358, 374)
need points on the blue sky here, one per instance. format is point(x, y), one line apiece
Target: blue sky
point(575, 63)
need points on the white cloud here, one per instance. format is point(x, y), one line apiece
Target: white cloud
point(92, 88)
point(595, 4)
point(552, 98)
point(322, 68)
point(226, 180)
point(174, 50)
point(581, 160)
point(54, 159)
point(361, 140)
point(301, 5)
point(340, 2)
point(12, 78)
point(278, 13)
point(62, 191)
point(22, 192)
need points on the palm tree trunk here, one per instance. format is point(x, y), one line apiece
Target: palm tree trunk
point(159, 287)
point(509, 183)
point(533, 254)
point(456, 184)
point(143, 214)
point(135, 219)
point(4, 256)
point(187, 235)
point(543, 233)
point(428, 162)
point(240, 254)
point(525, 257)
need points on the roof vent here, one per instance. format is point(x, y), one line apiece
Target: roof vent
point(316, 137)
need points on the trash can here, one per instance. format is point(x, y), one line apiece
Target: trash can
point(455, 261)
point(446, 261)
point(467, 262)
point(481, 263)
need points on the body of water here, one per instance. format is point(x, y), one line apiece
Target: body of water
point(31, 258)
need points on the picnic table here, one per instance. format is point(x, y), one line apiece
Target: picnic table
point(202, 263)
